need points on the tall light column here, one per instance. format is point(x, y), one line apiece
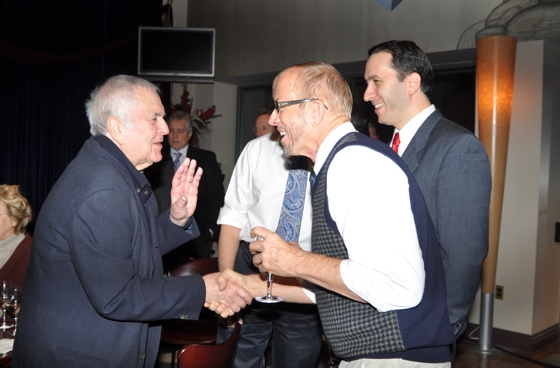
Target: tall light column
point(495, 66)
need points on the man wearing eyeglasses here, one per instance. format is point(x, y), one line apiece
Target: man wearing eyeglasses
point(254, 197)
point(380, 286)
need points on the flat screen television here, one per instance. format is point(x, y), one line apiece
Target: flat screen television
point(173, 53)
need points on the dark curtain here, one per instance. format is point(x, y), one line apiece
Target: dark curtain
point(52, 54)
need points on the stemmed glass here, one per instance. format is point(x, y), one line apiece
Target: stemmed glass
point(5, 292)
point(268, 298)
point(13, 306)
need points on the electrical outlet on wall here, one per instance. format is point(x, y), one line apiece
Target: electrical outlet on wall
point(499, 292)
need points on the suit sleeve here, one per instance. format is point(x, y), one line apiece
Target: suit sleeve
point(114, 255)
point(462, 201)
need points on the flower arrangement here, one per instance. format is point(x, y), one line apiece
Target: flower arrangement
point(201, 118)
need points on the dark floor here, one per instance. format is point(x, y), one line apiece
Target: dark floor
point(469, 356)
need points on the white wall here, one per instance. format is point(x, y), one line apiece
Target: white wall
point(528, 258)
point(255, 36)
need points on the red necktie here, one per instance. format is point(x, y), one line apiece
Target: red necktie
point(396, 142)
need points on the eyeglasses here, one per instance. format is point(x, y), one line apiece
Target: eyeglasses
point(279, 104)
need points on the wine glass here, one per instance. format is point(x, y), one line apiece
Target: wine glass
point(5, 292)
point(13, 306)
point(268, 298)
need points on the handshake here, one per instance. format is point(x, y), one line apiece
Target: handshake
point(228, 292)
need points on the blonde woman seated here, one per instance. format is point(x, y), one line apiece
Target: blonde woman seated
point(15, 243)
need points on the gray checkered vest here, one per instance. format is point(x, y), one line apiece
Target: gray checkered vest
point(356, 330)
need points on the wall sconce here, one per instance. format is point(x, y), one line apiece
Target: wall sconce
point(495, 66)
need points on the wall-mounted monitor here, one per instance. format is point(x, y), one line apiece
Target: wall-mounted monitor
point(173, 53)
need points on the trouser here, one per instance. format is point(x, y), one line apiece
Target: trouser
point(390, 363)
point(295, 329)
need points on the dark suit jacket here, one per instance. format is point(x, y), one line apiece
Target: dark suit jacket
point(453, 171)
point(95, 283)
point(210, 195)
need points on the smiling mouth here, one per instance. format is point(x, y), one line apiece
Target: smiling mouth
point(379, 105)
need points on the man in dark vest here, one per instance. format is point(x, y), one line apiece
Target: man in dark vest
point(380, 286)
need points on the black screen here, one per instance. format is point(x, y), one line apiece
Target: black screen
point(185, 52)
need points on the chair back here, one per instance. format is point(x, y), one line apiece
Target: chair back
point(193, 266)
point(211, 356)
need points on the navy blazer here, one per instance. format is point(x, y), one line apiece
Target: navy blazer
point(452, 168)
point(95, 288)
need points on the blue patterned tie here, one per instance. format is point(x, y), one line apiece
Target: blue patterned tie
point(177, 161)
point(294, 199)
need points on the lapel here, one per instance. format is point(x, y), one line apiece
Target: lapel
point(420, 139)
point(191, 152)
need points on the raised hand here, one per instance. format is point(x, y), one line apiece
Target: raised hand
point(184, 192)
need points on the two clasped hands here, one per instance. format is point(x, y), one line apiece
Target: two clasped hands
point(270, 251)
point(228, 292)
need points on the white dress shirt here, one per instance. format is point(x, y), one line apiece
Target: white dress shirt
point(368, 198)
point(256, 191)
point(409, 130)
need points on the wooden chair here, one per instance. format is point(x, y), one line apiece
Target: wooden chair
point(177, 333)
point(211, 356)
point(193, 266)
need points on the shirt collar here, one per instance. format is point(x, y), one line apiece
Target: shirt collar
point(329, 142)
point(183, 151)
point(409, 130)
point(141, 184)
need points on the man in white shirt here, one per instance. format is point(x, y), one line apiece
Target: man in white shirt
point(254, 197)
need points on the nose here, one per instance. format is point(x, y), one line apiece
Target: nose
point(369, 93)
point(163, 126)
point(274, 118)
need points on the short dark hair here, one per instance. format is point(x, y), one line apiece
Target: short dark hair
point(408, 58)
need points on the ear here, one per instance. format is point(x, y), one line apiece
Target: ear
point(413, 82)
point(317, 112)
point(115, 130)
